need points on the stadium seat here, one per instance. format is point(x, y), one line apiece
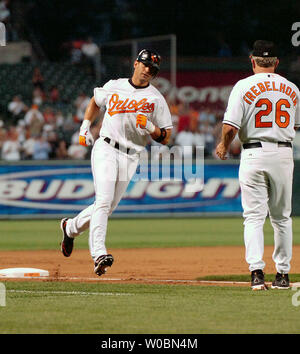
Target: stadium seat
point(70, 80)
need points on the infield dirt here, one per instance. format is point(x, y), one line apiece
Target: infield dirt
point(174, 265)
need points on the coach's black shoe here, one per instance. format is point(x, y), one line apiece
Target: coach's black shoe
point(102, 263)
point(258, 280)
point(67, 242)
point(281, 281)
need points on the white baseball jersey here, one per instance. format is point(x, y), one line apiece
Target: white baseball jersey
point(112, 171)
point(264, 107)
point(123, 102)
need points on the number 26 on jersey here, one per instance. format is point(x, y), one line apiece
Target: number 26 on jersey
point(282, 117)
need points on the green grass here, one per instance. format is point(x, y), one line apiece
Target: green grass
point(46, 234)
point(63, 307)
point(174, 309)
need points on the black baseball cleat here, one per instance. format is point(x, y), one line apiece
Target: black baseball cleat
point(102, 263)
point(258, 280)
point(67, 242)
point(281, 281)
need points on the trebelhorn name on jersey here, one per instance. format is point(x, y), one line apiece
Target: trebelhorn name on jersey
point(266, 86)
point(264, 107)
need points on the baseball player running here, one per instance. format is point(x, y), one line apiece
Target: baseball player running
point(135, 109)
point(264, 109)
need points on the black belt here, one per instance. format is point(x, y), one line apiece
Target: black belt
point(117, 146)
point(259, 145)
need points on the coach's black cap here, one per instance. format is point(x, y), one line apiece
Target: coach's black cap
point(264, 49)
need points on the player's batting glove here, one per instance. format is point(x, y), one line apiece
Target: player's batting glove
point(144, 123)
point(85, 136)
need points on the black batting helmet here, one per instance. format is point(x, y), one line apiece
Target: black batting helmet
point(151, 59)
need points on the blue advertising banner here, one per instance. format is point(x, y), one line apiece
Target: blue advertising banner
point(35, 190)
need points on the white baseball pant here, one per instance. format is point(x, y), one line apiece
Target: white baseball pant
point(266, 177)
point(112, 172)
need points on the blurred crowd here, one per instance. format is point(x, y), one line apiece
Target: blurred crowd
point(41, 131)
point(86, 54)
point(42, 134)
point(6, 19)
point(199, 127)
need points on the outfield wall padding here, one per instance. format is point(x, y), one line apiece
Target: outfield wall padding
point(54, 189)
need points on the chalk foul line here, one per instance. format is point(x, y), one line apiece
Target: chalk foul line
point(80, 293)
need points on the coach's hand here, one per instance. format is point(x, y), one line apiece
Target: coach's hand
point(85, 136)
point(221, 151)
point(144, 123)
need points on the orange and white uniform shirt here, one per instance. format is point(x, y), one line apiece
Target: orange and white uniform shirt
point(264, 107)
point(123, 102)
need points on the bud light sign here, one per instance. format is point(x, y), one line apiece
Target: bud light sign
point(64, 190)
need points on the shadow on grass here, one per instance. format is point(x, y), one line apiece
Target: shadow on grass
point(245, 277)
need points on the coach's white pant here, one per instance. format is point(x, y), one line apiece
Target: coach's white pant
point(266, 176)
point(112, 172)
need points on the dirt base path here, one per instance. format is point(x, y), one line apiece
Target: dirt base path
point(175, 265)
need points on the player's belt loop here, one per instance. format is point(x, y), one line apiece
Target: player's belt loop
point(284, 144)
point(258, 145)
